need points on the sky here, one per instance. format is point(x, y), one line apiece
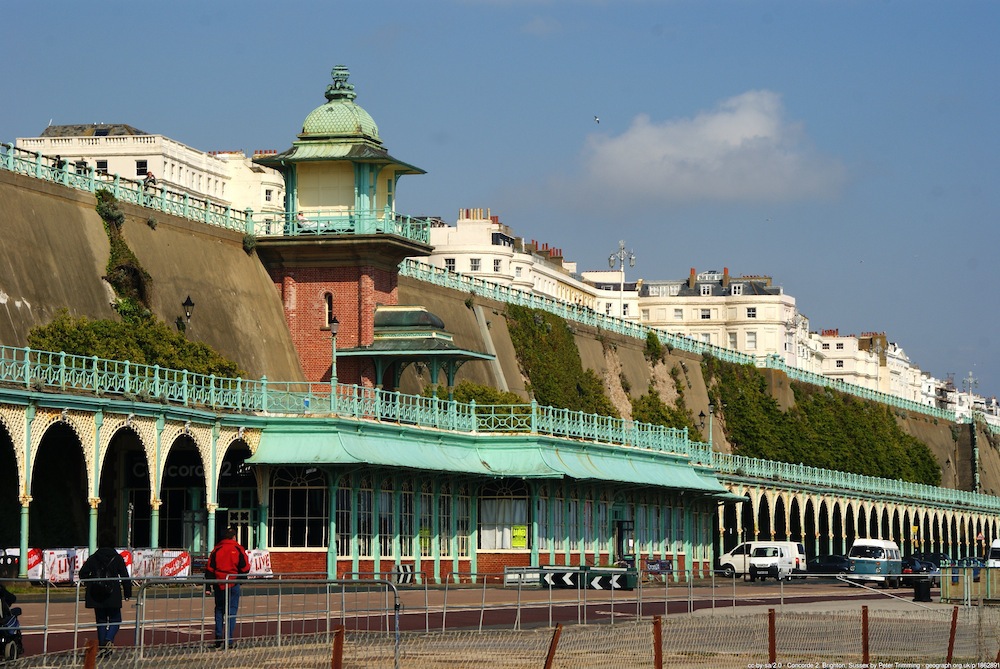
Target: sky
point(846, 149)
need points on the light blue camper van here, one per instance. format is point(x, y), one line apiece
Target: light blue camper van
point(876, 560)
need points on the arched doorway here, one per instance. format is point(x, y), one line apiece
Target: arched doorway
point(59, 515)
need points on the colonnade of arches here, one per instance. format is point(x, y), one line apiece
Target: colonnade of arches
point(151, 480)
point(828, 523)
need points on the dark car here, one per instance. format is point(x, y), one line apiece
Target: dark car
point(914, 570)
point(936, 559)
point(828, 564)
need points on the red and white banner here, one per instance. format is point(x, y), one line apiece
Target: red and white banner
point(127, 557)
point(160, 563)
point(35, 563)
point(57, 565)
point(175, 563)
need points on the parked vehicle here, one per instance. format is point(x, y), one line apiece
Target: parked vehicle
point(769, 560)
point(737, 561)
point(937, 559)
point(993, 557)
point(876, 560)
point(914, 570)
point(829, 564)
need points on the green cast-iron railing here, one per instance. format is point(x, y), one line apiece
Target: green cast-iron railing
point(205, 211)
point(46, 371)
point(828, 479)
point(586, 316)
point(43, 370)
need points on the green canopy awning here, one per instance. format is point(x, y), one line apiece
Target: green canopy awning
point(513, 455)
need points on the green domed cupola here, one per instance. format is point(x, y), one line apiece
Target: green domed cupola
point(340, 116)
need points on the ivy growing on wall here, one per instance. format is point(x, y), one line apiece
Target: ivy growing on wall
point(550, 359)
point(826, 428)
point(126, 275)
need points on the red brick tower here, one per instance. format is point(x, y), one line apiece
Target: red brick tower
point(337, 250)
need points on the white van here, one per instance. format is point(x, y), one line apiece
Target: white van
point(993, 559)
point(774, 561)
point(876, 560)
point(737, 561)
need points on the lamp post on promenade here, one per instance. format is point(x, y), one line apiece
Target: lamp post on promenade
point(711, 415)
point(620, 257)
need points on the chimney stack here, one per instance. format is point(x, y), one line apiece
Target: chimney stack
point(725, 277)
point(692, 279)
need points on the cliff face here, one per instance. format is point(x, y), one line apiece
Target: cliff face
point(55, 252)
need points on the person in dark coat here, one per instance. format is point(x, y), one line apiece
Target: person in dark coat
point(104, 595)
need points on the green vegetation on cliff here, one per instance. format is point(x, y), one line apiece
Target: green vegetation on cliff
point(143, 340)
point(825, 428)
point(550, 359)
point(126, 275)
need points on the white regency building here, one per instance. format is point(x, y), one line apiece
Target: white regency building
point(228, 178)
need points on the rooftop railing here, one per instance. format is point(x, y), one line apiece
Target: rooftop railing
point(184, 205)
point(587, 316)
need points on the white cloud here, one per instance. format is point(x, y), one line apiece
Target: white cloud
point(743, 150)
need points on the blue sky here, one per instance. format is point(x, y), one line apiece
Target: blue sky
point(847, 149)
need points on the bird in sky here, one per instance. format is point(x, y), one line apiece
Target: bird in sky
point(597, 120)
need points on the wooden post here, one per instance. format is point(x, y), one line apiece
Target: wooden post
point(657, 642)
point(550, 658)
point(864, 635)
point(772, 641)
point(951, 637)
point(90, 655)
point(337, 661)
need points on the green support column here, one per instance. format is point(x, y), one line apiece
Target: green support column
point(355, 560)
point(377, 524)
point(688, 544)
point(551, 513)
point(534, 523)
point(417, 504)
point(473, 528)
point(455, 489)
point(154, 502)
point(436, 527)
point(95, 492)
point(397, 508)
point(664, 506)
point(333, 487)
point(581, 535)
point(29, 417)
point(213, 502)
point(567, 548)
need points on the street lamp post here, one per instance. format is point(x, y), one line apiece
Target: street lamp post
point(334, 327)
point(620, 257)
point(711, 415)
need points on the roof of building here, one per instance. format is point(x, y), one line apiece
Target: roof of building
point(91, 130)
point(340, 129)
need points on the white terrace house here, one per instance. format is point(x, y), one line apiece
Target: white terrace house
point(479, 245)
point(743, 313)
point(228, 178)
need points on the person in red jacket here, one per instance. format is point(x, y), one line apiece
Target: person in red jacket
point(227, 563)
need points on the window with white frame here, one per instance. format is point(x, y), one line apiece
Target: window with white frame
point(497, 264)
point(363, 504)
point(268, 194)
point(542, 518)
point(503, 514)
point(678, 314)
point(751, 312)
point(474, 264)
point(426, 519)
point(449, 264)
point(624, 308)
point(101, 166)
point(444, 519)
point(706, 289)
point(463, 519)
point(737, 289)
point(298, 513)
point(385, 516)
point(706, 314)
point(141, 167)
point(644, 314)
point(706, 338)
point(826, 347)
point(517, 272)
point(733, 341)
point(840, 346)
point(840, 364)
point(406, 519)
point(343, 517)
point(751, 341)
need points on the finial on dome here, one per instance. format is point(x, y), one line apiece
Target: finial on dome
point(340, 89)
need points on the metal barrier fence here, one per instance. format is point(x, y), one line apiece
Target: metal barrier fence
point(386, 620)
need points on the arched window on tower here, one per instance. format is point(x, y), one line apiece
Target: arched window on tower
point(328, 306)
